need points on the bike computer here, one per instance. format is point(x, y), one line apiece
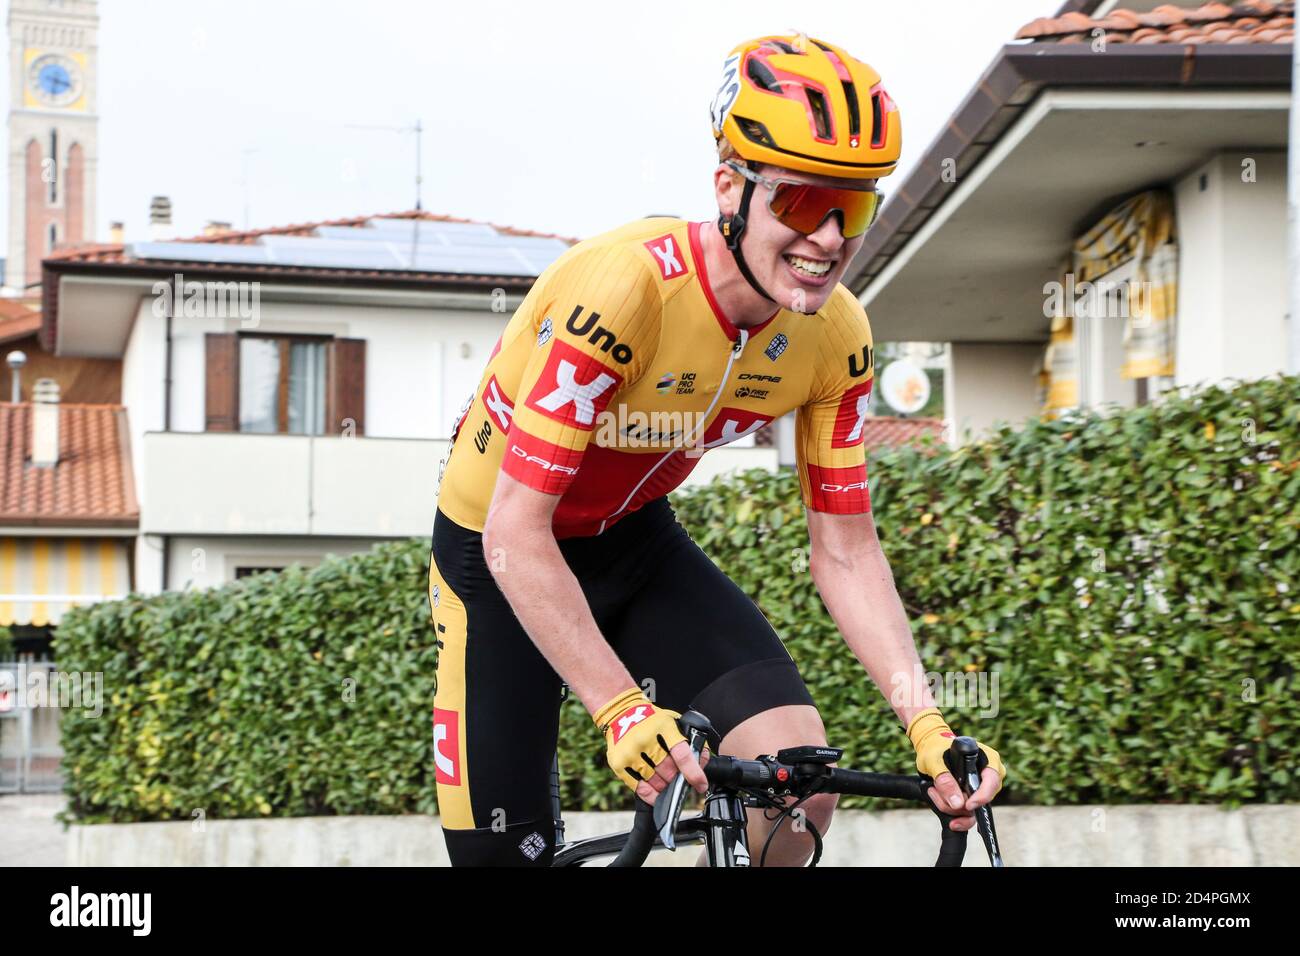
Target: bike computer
point(822, 755)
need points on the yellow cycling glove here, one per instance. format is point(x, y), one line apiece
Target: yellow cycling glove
point(638, 735)
point(932, 737)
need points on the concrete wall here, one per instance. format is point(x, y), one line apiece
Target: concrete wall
point(989, 382)
point(1030, 836)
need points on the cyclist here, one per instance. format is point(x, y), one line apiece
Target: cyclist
point(556, 556)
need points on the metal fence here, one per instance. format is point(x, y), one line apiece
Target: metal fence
point(30, 754)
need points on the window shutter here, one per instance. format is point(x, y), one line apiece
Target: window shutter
point(347, 387)
point(221, 408)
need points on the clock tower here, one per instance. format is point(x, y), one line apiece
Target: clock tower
point(53, 128)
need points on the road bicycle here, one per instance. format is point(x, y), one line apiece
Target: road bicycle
point(778, 783)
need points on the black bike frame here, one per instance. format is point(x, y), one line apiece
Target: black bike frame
point(721, 828)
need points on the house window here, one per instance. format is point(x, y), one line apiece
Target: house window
point(244, 571)
point(1101, 314)
point(282, 384)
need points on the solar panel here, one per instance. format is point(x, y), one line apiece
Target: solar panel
point(198, 252)
point(382, 245)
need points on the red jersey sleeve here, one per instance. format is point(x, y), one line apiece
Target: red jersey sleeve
point(829, 429)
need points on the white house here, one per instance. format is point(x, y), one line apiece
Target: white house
point(1137, 151)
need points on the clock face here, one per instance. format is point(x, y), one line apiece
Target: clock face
point(55, 80)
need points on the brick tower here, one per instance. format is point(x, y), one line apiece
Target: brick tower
point(52, 132)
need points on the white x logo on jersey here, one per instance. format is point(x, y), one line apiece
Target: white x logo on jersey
point(498, 406)
point(731, 431)
point(856, 432)
point(445, 764)
point(583, 396)
point(630, 720)
point(667, 256)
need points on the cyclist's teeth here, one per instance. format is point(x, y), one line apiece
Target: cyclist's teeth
point(808, 266)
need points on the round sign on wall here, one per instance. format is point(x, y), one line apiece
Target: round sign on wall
point(904, 386)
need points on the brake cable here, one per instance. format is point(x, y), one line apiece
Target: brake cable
point(786, 811)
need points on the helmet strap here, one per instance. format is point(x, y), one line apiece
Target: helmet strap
point(732, 229)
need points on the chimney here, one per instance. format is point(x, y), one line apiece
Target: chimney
point(16, 360)
point(45, 423)
point(216, 227)
point(160, 219)
point(116, 233)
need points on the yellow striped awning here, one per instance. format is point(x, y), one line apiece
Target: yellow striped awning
point(40, 578)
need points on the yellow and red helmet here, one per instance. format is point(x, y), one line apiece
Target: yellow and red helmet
point(803, 104)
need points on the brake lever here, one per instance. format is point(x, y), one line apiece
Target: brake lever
point(965, 760)
point(668, 805)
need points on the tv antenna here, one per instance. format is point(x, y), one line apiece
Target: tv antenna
point(246, 180)
point(418, 130)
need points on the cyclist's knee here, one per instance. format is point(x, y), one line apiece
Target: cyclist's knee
point(793, 843)
point(819, 809)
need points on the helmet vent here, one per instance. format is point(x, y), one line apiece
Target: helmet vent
point(817, 100)
point(855, 112)
point(761, 76)
point(877, 120)
point(754, 131)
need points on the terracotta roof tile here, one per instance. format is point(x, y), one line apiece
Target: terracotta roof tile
point(1119, 20)
point(1249, 21)
point(92, 482)
point(888, 430)
point(19, 327)
point(1165, 15)
point(13, 309)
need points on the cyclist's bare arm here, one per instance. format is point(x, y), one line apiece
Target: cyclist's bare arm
point(521, 551)
point(853, 577)
point(855, 582)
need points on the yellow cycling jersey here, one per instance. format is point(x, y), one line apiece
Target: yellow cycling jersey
point(619, 370)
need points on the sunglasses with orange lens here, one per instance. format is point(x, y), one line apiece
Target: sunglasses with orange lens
point(804, 207)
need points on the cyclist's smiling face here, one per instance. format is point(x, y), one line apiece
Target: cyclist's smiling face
point(783, 260)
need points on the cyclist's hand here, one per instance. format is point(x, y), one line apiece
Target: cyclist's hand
point(644, 746)
point(932, 738)
point(947, 795)
point(680, 760)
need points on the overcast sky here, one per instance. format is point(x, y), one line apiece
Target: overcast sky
point(567, 117)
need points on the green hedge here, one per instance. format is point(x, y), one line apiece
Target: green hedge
point(1130, 578)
